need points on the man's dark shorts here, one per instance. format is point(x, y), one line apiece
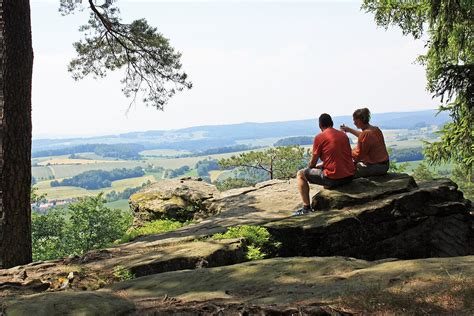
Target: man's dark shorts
point(316, 176)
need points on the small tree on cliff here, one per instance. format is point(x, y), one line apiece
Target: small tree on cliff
point(278, 162)
point(449, 62)
point(152, 67)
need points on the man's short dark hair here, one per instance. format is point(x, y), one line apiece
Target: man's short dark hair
point(325, 120)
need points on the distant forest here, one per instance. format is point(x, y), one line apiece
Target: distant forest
point(119, 151)
point(97, 179)
point(298, 140)
point(407, 154)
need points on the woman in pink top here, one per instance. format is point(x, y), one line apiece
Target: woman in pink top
point(370, 154)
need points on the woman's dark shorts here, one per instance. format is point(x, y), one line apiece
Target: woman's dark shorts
point(364, 170)
point(316, 176)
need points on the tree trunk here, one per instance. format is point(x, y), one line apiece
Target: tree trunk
point(16, 62)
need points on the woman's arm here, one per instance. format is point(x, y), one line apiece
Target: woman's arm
point(346, 129)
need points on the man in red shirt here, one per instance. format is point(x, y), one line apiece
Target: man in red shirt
point(333, 148)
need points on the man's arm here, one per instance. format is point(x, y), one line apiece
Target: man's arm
point(313, 161)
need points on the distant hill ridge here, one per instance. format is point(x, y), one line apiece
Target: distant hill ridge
point(211, 136)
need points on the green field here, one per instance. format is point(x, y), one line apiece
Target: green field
point(411, 165)
point(259, 141)
point(174, 163)
point(66, 171)
point(59, 193)
point(41, 173)
point(158, 158)
point(190, 173)
point(411, 143)
point(94, 156)
point(119, 204)
point(164, 152)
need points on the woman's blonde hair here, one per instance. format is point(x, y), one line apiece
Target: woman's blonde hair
point(362, 114)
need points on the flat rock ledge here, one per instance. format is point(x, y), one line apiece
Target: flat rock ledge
point(279, 286)
point(400, 220)
point(363, 190)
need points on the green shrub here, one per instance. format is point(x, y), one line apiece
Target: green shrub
point(122, 274)
point(254, 253)
point(259, 242)
point(155, 227)
point(82, 226)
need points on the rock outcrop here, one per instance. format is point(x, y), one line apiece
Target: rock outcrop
point(279, 286)
point(385, 217)
point(370, 219)
point(183, 200)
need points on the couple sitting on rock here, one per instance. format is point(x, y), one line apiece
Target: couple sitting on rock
point(339, 163)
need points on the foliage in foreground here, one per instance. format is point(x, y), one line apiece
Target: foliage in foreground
point(122, 274)
point(449, 63)
point(85, 225)
point(259, 242)
point(154, 227)
point(422, 172)
point(394, 165)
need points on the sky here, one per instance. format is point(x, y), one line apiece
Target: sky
point(249, 61)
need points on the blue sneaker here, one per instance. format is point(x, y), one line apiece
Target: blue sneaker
point(302, 211)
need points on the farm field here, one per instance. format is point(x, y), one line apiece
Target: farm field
point(411, 165)
point(190, 173)
point(119, 204)
point(66, 171)
point(399, 144)
point(174, 163)
point(164, 152)
point(42, 173)
point(38, 160)
point(260, 141)
point(58, 167)
point(214, 174)
point(94, 156)
point(68, 161)
point(60, 193)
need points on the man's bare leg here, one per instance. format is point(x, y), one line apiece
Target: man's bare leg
point(303, 187)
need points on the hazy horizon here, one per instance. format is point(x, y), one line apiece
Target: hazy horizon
point(259, 61)
point(206, 125)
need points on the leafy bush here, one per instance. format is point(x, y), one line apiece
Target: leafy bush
point(85, 225)
point(123, 274)
point(259, 243)
point(394, 166)
point(204, 166)
point(155, 227)
point(254, 253)
point(422, 172)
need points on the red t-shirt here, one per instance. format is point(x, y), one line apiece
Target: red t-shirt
point(333, 148)
point(370, 147)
